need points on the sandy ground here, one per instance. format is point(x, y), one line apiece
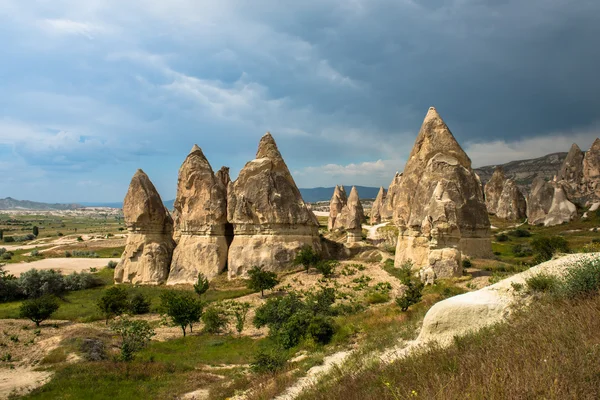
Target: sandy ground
point(372, 230)
point(64, 265)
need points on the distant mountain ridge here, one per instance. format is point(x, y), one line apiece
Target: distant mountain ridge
point(523, 172)
point(12, 204)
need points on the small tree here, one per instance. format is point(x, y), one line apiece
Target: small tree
point(113, 302)
point(327, 267)
point(35, 231)
point(182, 307)
point(38, 309)
point(1, 234)
point(239, 311)
point(201, 285)
point(307, 257)
point(412, 295)
point(135, 335)
point(215, 318)
point(261, 280)
point(139, 304)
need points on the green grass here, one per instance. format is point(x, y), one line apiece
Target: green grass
point(80, 306)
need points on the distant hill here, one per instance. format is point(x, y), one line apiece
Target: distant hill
point(12, 204)
point(313, 195)
point(524, 171)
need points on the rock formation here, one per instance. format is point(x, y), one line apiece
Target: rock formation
point(539, 201)
point(503, 198)
point(200, 217)
point(351, 217)
point(493, 190)
point(439, 209)
point(337, 203)
point(511, 205)
point(387, 211)
point(561, 210)
point(223, 176)
point(572, 168)
point(270, 219)
point(591, 171)
point(377, 207)
point(150, 244)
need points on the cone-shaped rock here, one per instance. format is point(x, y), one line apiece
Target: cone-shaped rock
point(439, 210)
point(572, 167)
point(377, 207)
point(539, 201)
point(270, 219)
point(387, 211)
point(351, 217)
point(511, 205)
point(503, 198)
point(150, 244)
point(493, 190)
point(561, 209)
point(337, 203)
point(223, 176)
point(591, 171)
point(200, 218)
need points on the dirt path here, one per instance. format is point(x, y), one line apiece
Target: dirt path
point(64, 265)
point(21, 380)
point(372, 230)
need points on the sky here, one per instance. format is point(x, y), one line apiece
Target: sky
point(92, 90)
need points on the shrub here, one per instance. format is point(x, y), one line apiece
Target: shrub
point(215, 319)
point(36, 231)
point(377, 297)
point(93, 349)
point(502, 237)
point(81, 281)
point(542, 283)
point(36, 283)
point(521, 250)
point(307, 257)
point(139, 304)
point(9, 286)
point(68, 254)
point(112, 264)
point(9, 239)
point(38, 309)
point(269, 360)
point(183, 308)
point(519, 232)
point(582, 280)
point(327, 267)
point(466, 263)
point(201, 285)
point(320, 301)
point(412, 294)
point(135, 335)
point(321, 329)
point(7, 256)
point(113, 302)
point(239, 311)
point(35, 253)
point(546, 247)
point(261, 280)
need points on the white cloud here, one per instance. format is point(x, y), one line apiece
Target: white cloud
point(70, 27)
point(368, 173)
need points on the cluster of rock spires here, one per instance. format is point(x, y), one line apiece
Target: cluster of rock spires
point(346, 213)
point(503, 198)
point(259, 219)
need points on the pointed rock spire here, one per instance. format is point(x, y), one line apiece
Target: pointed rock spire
point(571, 169)
point(223, 176)
point(149, 245)
point(351, 217)
point(493, 190)
point(377, 207)
point(387, 211)
point(591, 167)
point(337, 203)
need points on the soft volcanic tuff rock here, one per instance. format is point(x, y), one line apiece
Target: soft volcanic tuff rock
point(591, 170)
point(150, 244)
point(270, 219)
point(387, 211)
point(503, 197)
point(337, 203)
point(572, 167)
point(561, 209)
point(351, 217)
point(200, 218)
point(223, 176)
point(377, 207)
point(539, 201)
point(439, 210)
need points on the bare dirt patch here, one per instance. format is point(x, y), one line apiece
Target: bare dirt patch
point(64, 265)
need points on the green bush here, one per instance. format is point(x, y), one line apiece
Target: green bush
point(269, 360)
point(502, 237)
point(545, 247)
point(466, 263)
point(261, 280)
point(327, 267)
point(114, 301)
point(215, 319)
point(9, 239)
point(183, 308)
point(519, 232)
point(112, 264)
point(321, 329)
point(36, 283)
point(10, 289)
point(201, 285)
point(81, 281)
point(139, 304)
point(542, 283)
point(521, 250)
point(377, 297)
point(239, 311)
point(412, 295)
point(582, 280)
point(38, 309)
point(135, 335)
point(307, 257)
